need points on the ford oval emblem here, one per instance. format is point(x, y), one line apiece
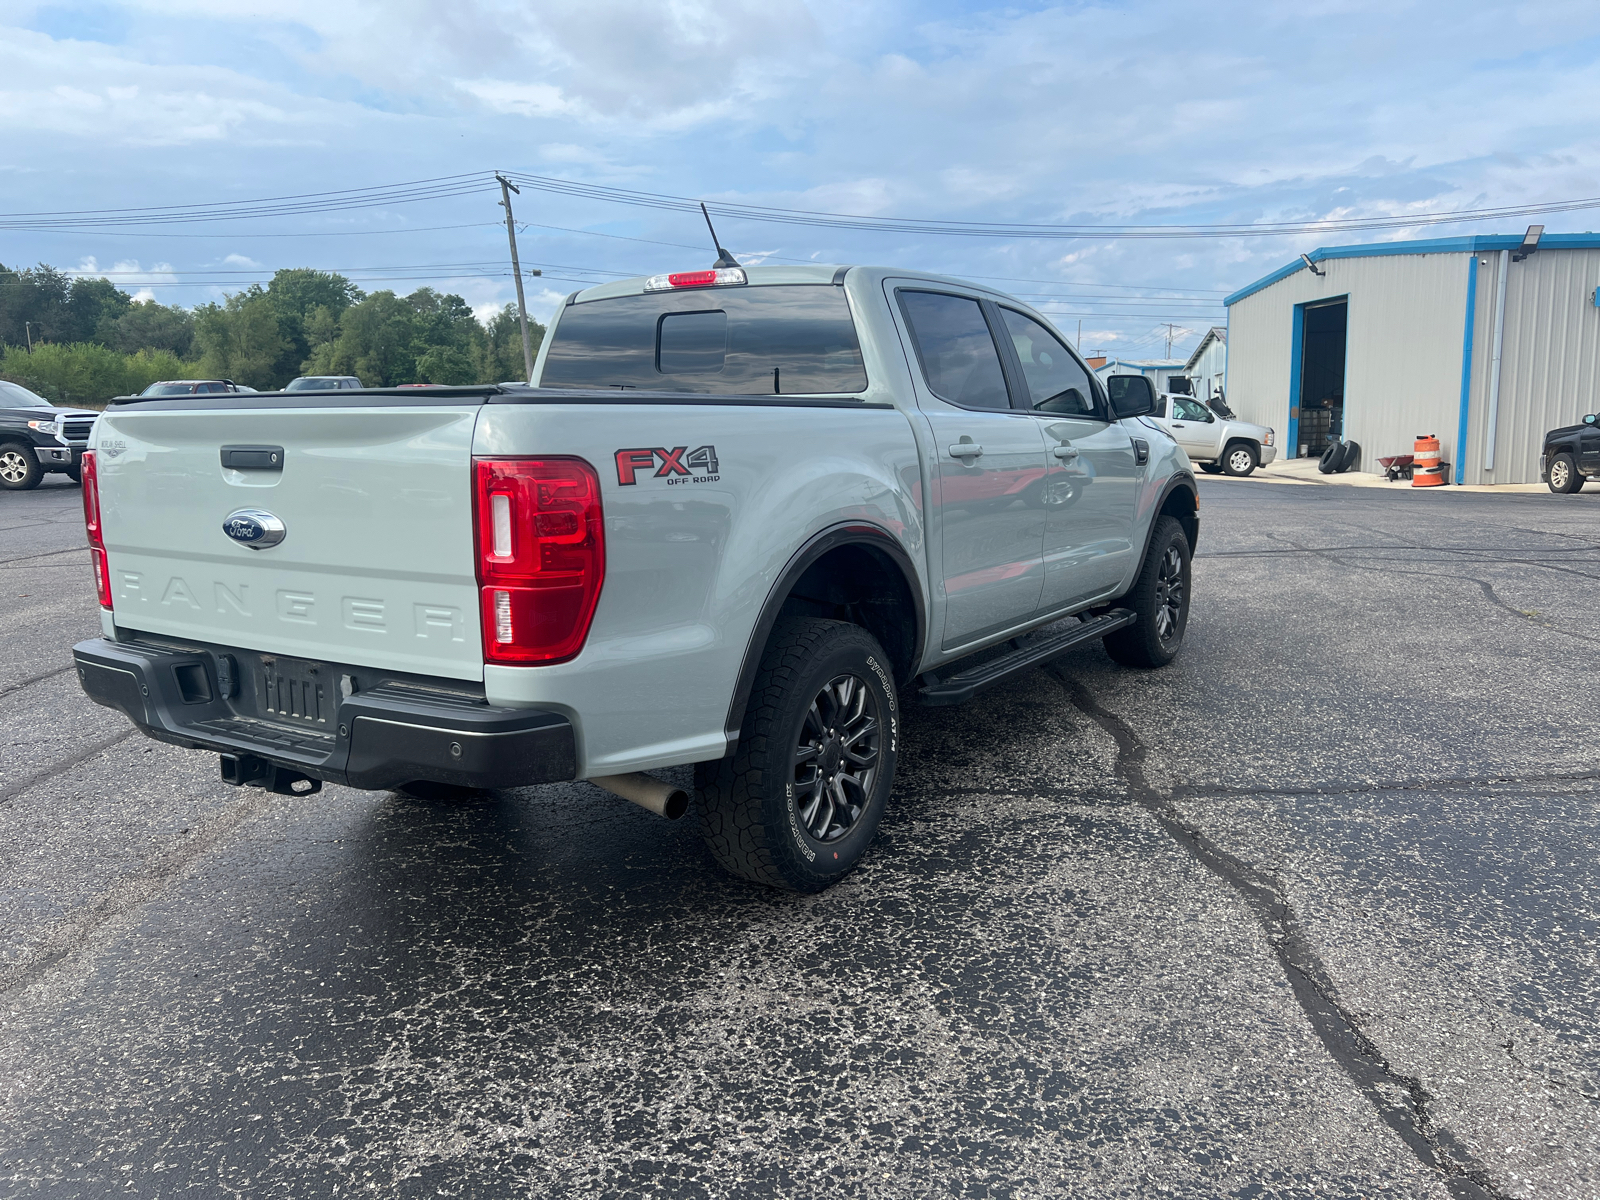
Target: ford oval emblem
point(254, 527)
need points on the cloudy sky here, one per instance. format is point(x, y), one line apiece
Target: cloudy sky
point(1142, 113)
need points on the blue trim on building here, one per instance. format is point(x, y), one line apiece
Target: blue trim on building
point(1478, 244)
point(1225, 355)
point(1466, 367)
point(1297, 341)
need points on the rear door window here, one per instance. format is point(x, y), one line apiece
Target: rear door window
point(957, 351)
point(783, 339)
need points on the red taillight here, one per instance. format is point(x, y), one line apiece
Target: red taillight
point(91, 525)
point(541, 556)
point(692, 278)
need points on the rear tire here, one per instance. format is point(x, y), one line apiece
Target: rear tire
point(1564, 477)
point(1160, 596)
point(1210, 468)
point(1239, 460)
point(74, 473)
point(798, 802)
point(19, 469)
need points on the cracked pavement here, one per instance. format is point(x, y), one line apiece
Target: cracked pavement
point(1312, 912)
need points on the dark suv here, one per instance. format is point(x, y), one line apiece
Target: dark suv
point(37, 436)
point(1571, 454)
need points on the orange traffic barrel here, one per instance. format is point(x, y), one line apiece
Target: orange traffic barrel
point(1426, 469)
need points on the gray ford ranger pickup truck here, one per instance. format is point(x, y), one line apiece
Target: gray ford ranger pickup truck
point(740, 517)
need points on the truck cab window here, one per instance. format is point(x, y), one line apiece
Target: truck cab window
point(1190, 410)
point(1057, 383)
point(791, 339)
point(959, 359)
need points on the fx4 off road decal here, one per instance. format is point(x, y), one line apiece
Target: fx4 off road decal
point(678, 465)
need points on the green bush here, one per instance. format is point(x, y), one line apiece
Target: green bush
point(85, 373)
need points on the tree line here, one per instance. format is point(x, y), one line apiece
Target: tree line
point(90, 340)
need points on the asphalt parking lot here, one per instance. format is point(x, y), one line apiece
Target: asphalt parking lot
point(1313, 912)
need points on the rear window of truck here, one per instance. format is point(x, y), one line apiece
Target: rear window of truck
point(783, 339)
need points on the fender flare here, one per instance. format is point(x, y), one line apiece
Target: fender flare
point(1184, 480)
point(854, 533)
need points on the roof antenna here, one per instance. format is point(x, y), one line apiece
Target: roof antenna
point(724, 259)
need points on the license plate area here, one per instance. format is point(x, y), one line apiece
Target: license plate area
point(298, 690)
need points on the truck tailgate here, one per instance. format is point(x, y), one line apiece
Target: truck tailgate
point(376, 564)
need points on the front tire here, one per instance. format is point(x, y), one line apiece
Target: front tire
point(1239, 460)
point(1564, 477)
point(19, 469)
point(1160, 596)
point(797, 804)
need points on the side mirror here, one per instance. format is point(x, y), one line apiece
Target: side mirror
point(1131, 396)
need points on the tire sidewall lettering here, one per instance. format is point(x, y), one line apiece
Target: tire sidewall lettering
point(800, 839)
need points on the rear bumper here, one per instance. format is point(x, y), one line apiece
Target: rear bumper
point(370, 731)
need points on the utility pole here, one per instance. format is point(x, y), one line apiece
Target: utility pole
point(27, 332)
point(1079, 342)
point(1170, 328)
point(506, 188)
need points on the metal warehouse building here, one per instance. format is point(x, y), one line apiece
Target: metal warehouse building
point(1475, 339)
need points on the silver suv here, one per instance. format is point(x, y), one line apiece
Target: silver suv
point(1217, 445)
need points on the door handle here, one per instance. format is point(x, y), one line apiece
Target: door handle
point(1065, 451)
point(965, 450)
point(1175, 425)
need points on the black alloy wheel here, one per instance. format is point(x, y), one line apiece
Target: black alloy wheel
point(836, 760)
point(1171, 596)
point(798, 801)
point(1160, 597)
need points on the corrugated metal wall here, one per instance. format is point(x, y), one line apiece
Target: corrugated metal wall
point(1550, 369)
point(1403, 356)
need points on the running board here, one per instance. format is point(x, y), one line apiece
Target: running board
point(958, 689)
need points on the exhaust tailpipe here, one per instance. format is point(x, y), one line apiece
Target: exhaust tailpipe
point(647, 792)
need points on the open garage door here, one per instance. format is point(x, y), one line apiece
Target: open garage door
point(1322, 347)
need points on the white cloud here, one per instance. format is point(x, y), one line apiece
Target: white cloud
point(1148, 112)
point(241, 260)
point(115, 98)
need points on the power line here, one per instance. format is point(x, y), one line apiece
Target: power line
point(449, 186)
point(342, 200)
point(806, 217)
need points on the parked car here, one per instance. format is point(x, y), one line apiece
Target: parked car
point(1216, 444)
point(742, 518)
point(323, 383)
point(194, 387)
point(37, 437)
point(1571, 455)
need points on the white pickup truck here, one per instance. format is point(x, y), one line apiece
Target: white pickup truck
point(743, 516)
point(1217, 445)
